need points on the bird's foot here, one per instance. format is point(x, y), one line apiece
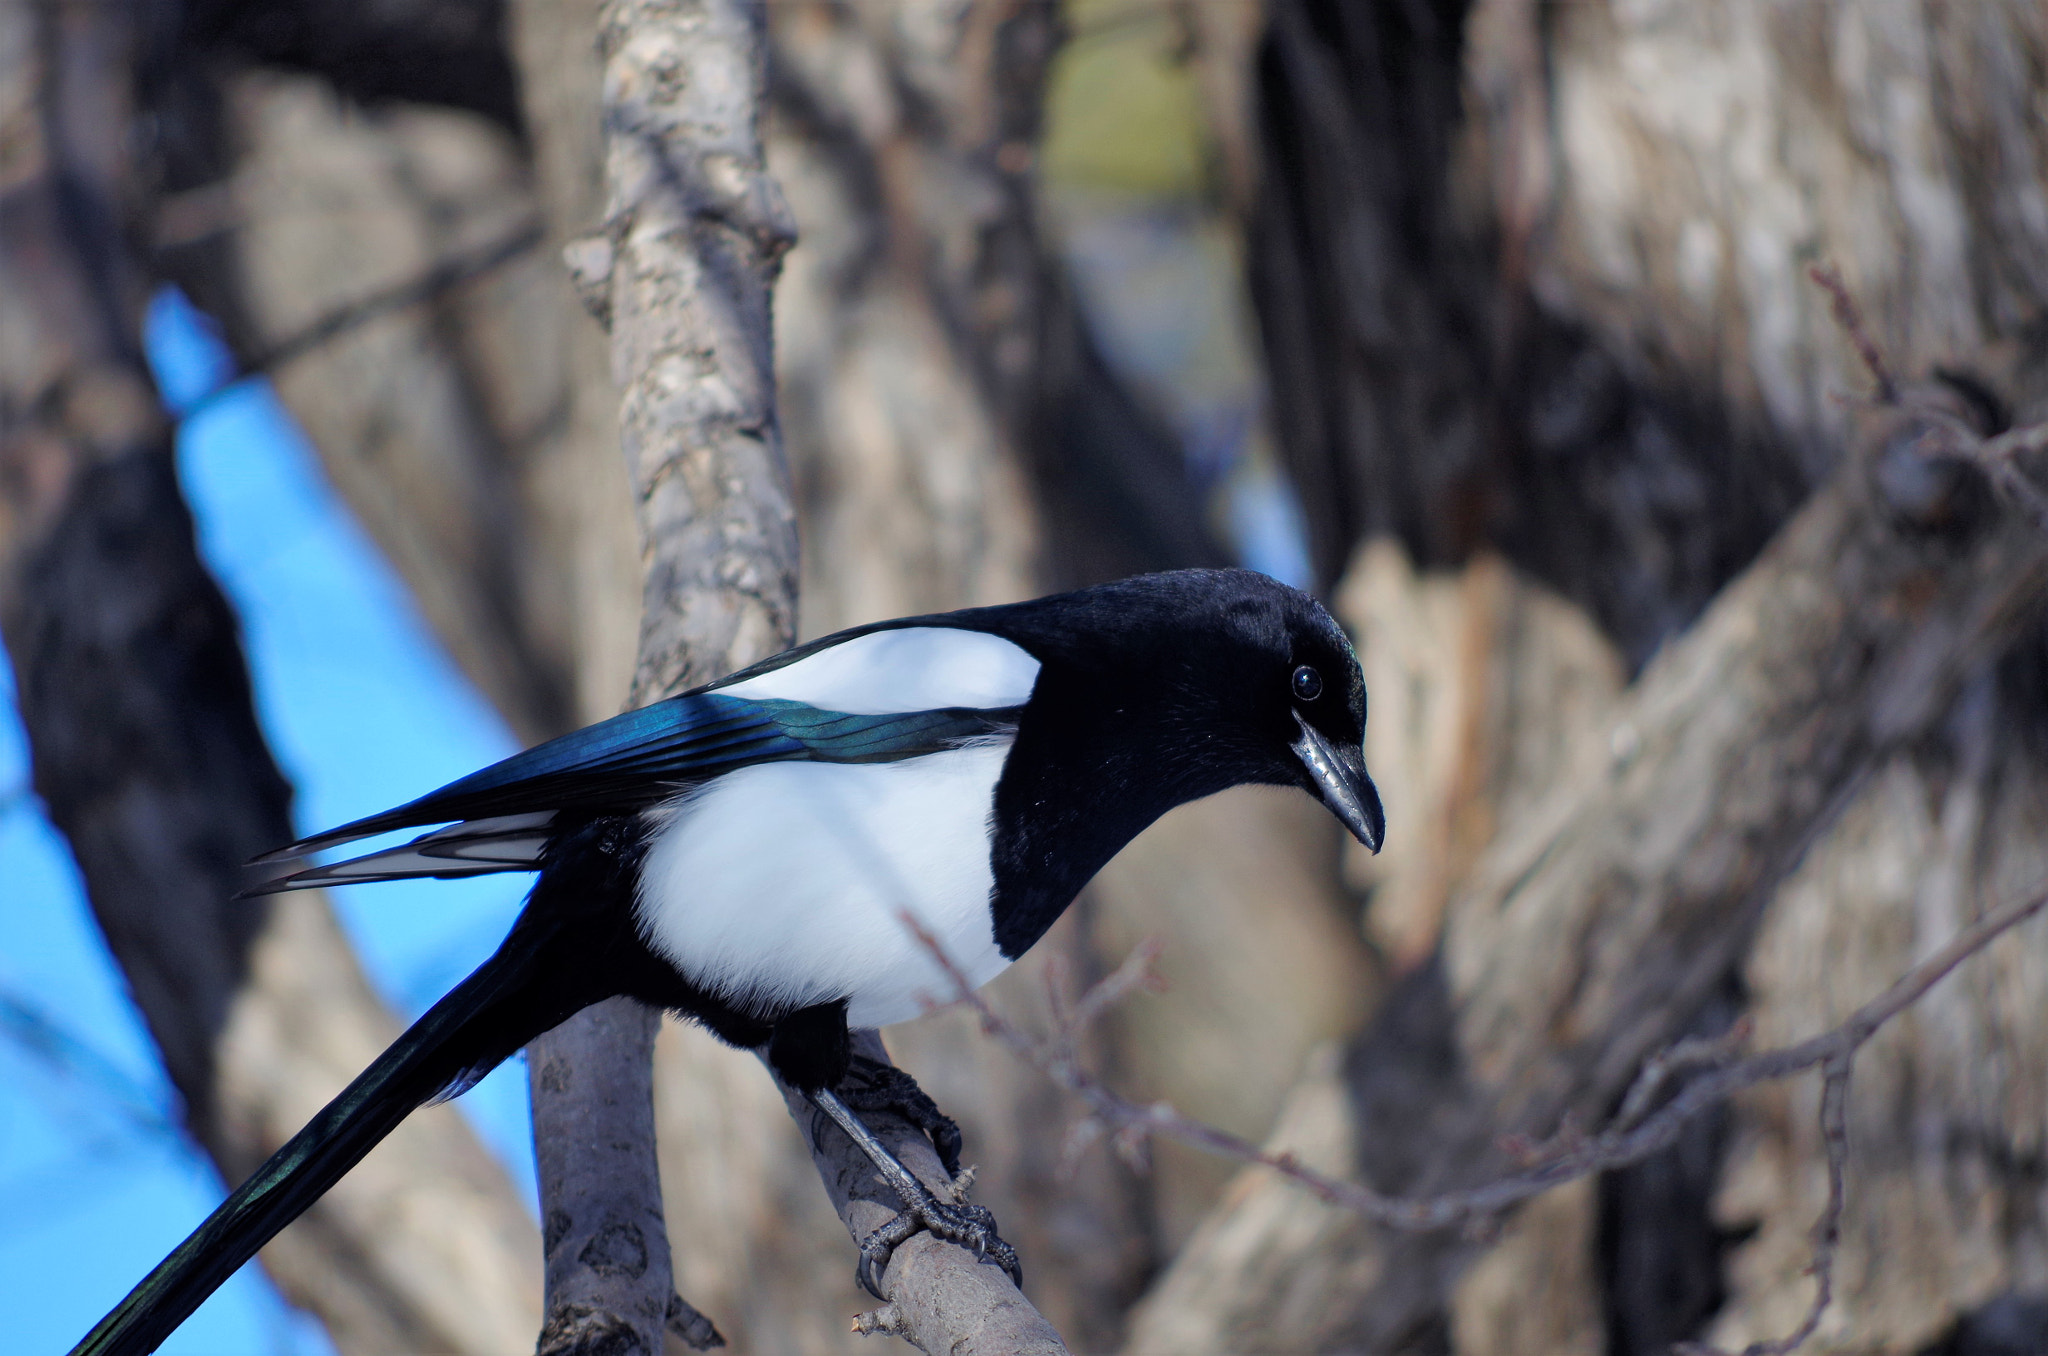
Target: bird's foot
point(970, 1226)
point(871, 1085)
point(955, 1221)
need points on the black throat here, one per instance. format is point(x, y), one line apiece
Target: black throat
point(1084, 778)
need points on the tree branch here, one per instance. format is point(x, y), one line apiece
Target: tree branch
point(443, 277)
point(941, 1298)
point(1629, 1139)
point(133, 688)
point(693, 236)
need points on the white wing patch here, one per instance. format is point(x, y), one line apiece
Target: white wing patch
point(916, 668)
point(781, 885)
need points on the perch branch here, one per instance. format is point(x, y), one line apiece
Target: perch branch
point(941, 1299)
point(693, 235)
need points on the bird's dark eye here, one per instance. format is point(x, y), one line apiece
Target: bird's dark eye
point(1308, 684)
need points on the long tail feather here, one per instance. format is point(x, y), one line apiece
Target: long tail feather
point(475, 847)
point(505, 1003)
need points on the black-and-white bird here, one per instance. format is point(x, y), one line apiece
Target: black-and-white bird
point(744, 854)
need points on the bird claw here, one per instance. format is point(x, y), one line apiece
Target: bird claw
point(872, 1085)
point(971, 1226)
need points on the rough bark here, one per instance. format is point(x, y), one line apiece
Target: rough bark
point(1532, 279)
point(694, 231)
point(940, 1298)
point(145, 747)
point(1592, 932)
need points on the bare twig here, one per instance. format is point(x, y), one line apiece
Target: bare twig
point(1569, 1155)
point(1700, 1052)
point(440, 278)
point(2000, 459)
point(1827, 1232)
point(1850, 318)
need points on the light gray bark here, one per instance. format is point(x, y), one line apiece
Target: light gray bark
point(693, 233)
point(940, 1298)
point(608, 1276)
point(1596, 929)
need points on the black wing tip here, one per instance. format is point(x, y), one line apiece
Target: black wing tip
point(281, 886)
point(306, 847)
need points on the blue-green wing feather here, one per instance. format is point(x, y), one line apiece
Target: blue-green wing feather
point(643, 757)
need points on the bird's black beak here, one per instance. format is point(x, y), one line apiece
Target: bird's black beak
point(1338, 775)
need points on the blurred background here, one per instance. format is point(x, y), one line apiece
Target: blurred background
point(1486, 320)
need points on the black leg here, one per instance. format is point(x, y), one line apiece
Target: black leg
point(971, 1226)
point(871, 1085)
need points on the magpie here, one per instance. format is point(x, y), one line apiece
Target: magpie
point(745, 855)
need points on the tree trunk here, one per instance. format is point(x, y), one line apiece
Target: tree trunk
point(145, 746)
point(1535, 280)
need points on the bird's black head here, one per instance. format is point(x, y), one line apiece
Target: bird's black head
point(1186, 683)
point(1258, 683)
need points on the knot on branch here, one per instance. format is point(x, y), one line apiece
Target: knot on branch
point(887, 1320)
point(580, 1330)
point(1924, 468)
point(741, 196)
point(672, 186)
point(1937, 450)
point(618, 1249)
point(590, 259)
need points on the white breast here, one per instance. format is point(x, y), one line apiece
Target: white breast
point(781, 885)
point(914, 668)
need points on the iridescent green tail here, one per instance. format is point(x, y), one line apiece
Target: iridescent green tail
point(488, 1016)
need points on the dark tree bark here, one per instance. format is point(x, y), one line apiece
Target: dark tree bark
point(144, 742)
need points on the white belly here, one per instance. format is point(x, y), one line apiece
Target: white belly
point(783, 885)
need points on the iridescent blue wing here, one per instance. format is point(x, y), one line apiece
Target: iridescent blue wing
point(501, 814)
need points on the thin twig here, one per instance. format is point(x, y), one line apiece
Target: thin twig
point(441, 278)
point(1570, 1154)
point(1699, 1052)
point(1850, 318)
